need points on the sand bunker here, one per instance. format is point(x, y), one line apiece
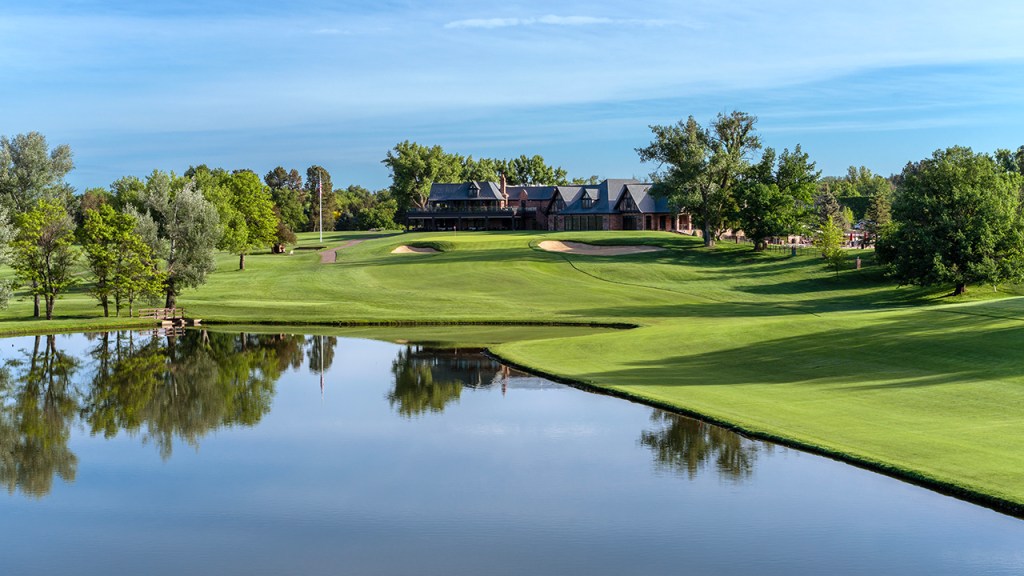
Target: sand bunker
point(413, 250)
point(594, 250)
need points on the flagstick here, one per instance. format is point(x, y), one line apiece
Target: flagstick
point(320, 190)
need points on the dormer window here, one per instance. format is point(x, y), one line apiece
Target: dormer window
point(587, 202)
point(474, 190)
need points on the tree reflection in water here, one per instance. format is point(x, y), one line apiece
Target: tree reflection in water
point(159, 387)
point(682, 444)
point(38, 403)
point(423, 382)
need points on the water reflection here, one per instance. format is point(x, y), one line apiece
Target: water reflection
point(168, 388)
point(685, 445)
point(424, 382)
point(427, 379)
point(158, 387)
point(38, 403)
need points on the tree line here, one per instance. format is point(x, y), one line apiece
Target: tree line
point(148, 238)
point(955, 218)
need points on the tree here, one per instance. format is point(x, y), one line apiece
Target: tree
point(774, 200)
point(1011, 161)
point(414, 168)
point(250, 222)
point(483, 170)
point(878, 216)
point(283, 234)
point(827, 206)
point(699, 169)
point(97, 236)
point(532, 171)
point(120, 261)
point(127, 191)
point(829, 240)
point(182, 228)
point(318, 184)
point(378, 216)
point(956, 220)
point(30, 171)
point(288, 196)
point(136, 272)
point(6, 235)
point(43, 250)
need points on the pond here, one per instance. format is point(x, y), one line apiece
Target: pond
point(239, 453)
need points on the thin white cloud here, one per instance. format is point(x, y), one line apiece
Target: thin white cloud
point(550, 20)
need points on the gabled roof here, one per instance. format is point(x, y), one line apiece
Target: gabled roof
point(604, 198)
point(647, 203)
point(461, 191)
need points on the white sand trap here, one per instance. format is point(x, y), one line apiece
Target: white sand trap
point(594, 250)
point(413, 250)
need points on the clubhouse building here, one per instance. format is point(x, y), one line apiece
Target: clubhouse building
point(610, 205)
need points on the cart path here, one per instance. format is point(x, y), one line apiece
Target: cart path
point(330, 255)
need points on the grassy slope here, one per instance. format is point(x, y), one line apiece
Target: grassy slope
point(768, 343)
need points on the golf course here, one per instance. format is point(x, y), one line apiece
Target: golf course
point(904, 380)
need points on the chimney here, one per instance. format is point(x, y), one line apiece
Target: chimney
point(504, 191)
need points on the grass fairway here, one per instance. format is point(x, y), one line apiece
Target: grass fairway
point(901, 379)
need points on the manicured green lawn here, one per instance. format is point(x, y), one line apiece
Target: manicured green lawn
point(899, 378)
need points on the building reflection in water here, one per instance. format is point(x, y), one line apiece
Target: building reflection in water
point(427, 379)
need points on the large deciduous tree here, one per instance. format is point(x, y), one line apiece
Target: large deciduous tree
point(122, 264)
point(699, 168)
point(252, 222)
point(183, 229)
point(289, 197)
point(774, 199)
point(956, 220)
point(29, 171)
point(414, 168)
point(532, 170)
point(43, 250)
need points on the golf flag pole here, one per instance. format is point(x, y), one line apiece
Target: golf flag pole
point(320, 192)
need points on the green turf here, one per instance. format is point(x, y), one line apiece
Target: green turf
point(900, 378)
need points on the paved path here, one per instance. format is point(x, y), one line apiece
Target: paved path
point(330, 255)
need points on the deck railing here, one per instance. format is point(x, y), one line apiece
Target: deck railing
point(162, 313)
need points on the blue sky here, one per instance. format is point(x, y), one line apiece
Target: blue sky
point(132, 86)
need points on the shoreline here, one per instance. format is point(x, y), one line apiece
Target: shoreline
point(992, 502)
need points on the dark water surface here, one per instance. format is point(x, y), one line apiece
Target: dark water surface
point(214, 453)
